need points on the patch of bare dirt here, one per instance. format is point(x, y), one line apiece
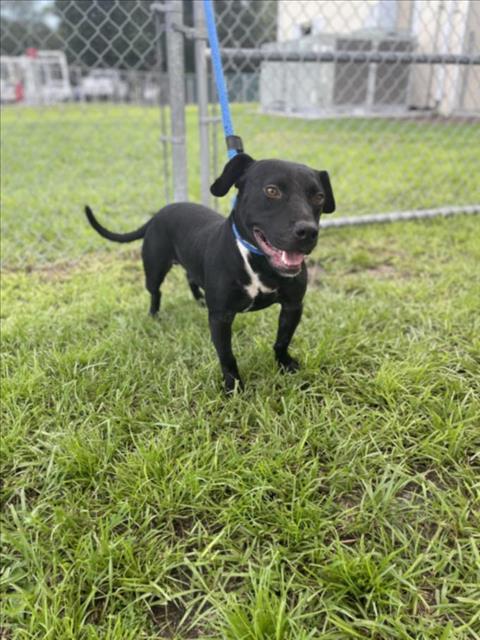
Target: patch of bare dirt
point(171, 621)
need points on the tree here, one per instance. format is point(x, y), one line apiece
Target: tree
point(122, 33)
point(108, 33)
point(246, 23)
point(240, 23)
point(25, 25)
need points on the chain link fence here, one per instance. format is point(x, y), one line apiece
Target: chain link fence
point(84, 89)
point(384, 94)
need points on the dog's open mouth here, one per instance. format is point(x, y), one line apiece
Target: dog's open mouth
point(287, 261)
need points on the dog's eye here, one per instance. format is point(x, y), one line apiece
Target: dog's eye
point(272, 191)
point(318, 199)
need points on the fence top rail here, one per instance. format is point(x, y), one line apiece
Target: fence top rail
point(391, 57)
point(401, 216)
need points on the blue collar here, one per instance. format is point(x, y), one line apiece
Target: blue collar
point(246, 244)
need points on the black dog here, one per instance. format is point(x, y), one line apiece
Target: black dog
point(246, 262)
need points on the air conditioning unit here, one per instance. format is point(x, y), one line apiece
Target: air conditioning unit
point(332, 88)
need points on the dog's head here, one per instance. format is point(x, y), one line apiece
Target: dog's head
point(278, 206)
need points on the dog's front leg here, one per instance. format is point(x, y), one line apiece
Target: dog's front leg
point(221, 332)
point(287, 323)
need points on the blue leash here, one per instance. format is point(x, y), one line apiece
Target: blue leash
point(234, 143)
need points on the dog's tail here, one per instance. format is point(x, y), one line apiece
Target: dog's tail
point(110, 235)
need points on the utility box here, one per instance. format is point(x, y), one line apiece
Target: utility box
point(319, 89)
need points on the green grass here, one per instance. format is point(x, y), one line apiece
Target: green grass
point(57, 160)
point(339, 502)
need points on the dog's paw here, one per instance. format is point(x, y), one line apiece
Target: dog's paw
point(232, 384)
point(288, 364)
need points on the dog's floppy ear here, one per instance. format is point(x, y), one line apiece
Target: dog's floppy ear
point(329, 206)
point(232, 172)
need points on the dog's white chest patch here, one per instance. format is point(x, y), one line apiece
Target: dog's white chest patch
point(255, 286)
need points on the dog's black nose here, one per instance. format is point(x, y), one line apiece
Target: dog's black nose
point(305, 231)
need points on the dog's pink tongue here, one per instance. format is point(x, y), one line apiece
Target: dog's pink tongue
point(292, 259)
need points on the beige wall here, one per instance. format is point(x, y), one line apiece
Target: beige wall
point(469, 77)
point(439, 26)
point(340, 16)
point(337, 16)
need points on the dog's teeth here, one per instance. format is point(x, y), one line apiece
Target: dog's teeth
point(284, 257)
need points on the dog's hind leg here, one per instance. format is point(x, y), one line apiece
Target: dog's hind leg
point(196, 291)
point(153, 281)
point(156, 267)
point(155, 297)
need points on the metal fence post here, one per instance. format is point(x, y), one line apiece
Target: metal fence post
point(161, 102)
point(176, 84)
point(202, 97)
